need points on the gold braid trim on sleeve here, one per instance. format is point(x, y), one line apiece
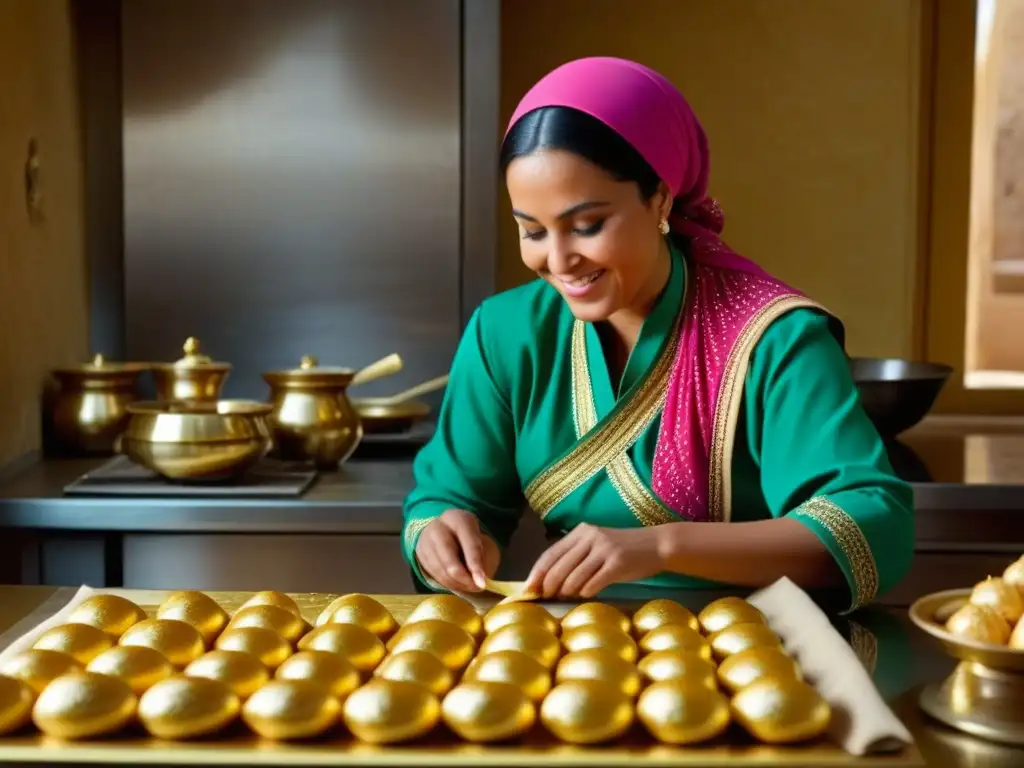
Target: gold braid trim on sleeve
point(412, 531)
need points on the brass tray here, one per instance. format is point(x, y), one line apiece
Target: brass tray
point(240, 748)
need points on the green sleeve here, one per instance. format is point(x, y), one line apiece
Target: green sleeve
point(469, 463)
point(822, 461)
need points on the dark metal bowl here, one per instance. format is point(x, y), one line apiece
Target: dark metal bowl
point(897, 394)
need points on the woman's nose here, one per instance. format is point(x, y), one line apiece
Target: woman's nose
point(561, 258)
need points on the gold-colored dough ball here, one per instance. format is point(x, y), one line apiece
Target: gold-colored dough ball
point(662, 666)
point(514, 667)
point(242, 672)
point(287, 624)
point(188, 708)
point(39, 667)
point(139, 666)
point(781, 711)
point(361, 610)
point(1014, 574)
point(483, 712)
point(725, 612)
point(676, 637)
point(747, 667)
point(531, 639)
point(284, 710)
point(361, 647)
point(329, 669)
point(595, 613)
point(269, 597)
point(111, 613)
point(16, 700)
point(265, 644)
point(197, 609)
point(418, 666)
point(979, 624)
point(1002, 597)
point(603, 665)
point(608, 637)
point(83, 642)
point(391, 711)
point(451, 643)
point(181, 643)
point(1016, 640)
point(740, 637)
point(504, 614)
point(661, 613)
point(84, 705)
point(450, 608)
point(683, 712)
point(586, 712)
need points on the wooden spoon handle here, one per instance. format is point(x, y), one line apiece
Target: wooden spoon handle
point(386, 366)
point(414, 392)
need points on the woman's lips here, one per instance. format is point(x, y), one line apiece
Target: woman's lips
point(581, 286)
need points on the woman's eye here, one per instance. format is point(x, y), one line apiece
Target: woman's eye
point(592, 230)
point(527, 235)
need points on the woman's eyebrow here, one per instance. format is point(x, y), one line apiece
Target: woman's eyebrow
point(578, 208)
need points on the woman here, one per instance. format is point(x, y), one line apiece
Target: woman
point(652, 385)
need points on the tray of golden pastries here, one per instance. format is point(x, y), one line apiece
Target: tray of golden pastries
point(232, 678)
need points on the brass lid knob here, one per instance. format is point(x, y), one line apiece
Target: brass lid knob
point(192, 357)
point(308, 361)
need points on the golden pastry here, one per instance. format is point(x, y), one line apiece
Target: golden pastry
point(361, 610)
point(661, 613)
point(533, 640)
point(740, 637)
point(586, 712)
point(197, 609)
point(16, 700)
point(1016, 640)
point(676, 637)
point(140, 667)
point(330, 669)
point(595, 613)
point(391, 711)
point(746, 667)
point(515, 667)
point(111, 613)
point(83, 642)
point(181, 643)
point(38, 667)
point(188, 708)
point(288, 625)
point(291, 709)
point(449, 642)
point(1014, 574)
point(242, 672)
point(683, 711)
point(485, 712)
point(780, 711)
point(727, 611)
point(84, 705)
point(417, 666)
point(519, 613)
point(600, 664)
point(269, 597)
point(450, 608)
point(360, 646)
point(678, 665)
point(265, 644)
point(1001, 597)
point(980, 624)
point(604, 636)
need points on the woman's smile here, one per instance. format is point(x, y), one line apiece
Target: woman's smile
point(579, 287)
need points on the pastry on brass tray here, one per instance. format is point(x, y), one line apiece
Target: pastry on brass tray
point(660, 613)
point(181, 643)
point(519, 613)
point(288, 625)
point(199, 610)
point(586, 712)
point(741, 669)
point(605, 636)
point(740, 637)
point(188, 708)
point(265, 644)
point(137, 665)
point(1016, 640)
point(980, 624)
point(363, 649)
point(242, 672)
point(481, 712)
point(83, 642)
point(329, 669)
point(111, 613)
point(725, 612)
point(284, 710)
point(16, 700)
point(600, 664)
point(678, 665)
point(270, 597)
point(391, 711)
point(595, 613)
point(515, 667)
point(416, 666)
point(531, 639)
point(683, 711)
point(39, 667)
point(450, 608)
point(676, 637)
point(1001, 597)
point(361, 610)
point(449, 642)
point(777, 710)
point(1014, 574)
point(84, 705)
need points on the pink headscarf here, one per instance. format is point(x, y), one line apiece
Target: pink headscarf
point(650, 113)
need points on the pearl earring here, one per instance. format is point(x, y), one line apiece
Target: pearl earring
point(663, 227)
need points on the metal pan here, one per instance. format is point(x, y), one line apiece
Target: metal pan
point(382, 417)
point(896, 393)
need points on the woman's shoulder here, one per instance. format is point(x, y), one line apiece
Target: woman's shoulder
point(526, 314)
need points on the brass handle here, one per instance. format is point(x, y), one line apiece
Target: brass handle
point(414, 392)
point(387, 366)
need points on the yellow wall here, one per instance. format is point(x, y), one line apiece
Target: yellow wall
point(814, 114)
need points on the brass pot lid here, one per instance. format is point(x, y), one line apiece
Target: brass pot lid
point(310, 374)
point(193, 359)
point(101, 368)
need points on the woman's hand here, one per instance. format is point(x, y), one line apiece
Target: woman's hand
point(590, 558)
point(454, 552)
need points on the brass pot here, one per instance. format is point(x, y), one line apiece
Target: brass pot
point(88, 406)
point(198, 441)
point(195, 377)
point(312, 418)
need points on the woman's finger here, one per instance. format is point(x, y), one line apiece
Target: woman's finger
point(535, 581)
point(559, 571)
point(575, 581)
point(601, 579)
point(448, 555)
point(467, 532)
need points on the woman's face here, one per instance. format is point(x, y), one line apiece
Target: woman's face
point(587, 234)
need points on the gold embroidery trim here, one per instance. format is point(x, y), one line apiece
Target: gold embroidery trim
point(730, 396)
point(412, 531)
point(848, 535)
point(865, 645)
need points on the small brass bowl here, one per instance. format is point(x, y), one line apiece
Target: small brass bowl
point(197, 441)
point(929, 614)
